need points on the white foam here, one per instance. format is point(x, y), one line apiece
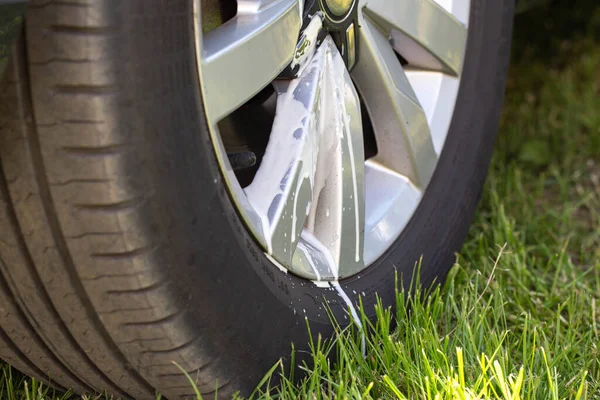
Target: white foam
point(354, 314)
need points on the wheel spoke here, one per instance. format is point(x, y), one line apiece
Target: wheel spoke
point(337, 219)
point(245, 54)
point(401, 130)
point(422, 32)
point(310, 181)
point(282, 190)
point(390, 201)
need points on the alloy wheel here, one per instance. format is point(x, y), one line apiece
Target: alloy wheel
point(321, 204)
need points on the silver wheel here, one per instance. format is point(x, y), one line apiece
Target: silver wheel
point(320, 205)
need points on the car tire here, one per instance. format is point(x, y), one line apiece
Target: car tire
point(121, 252)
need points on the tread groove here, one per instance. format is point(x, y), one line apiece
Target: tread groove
point(80, 30)
point(60, 60)
point(73, 181)
point(53, 3)
point(71, 122)
point(102, 151)
point(125, 205)
point(160, 321)
point(221, 387)
point(145, 289)
point(101, 234)
point(120, 310)
point(195, 370)
point(83, 121)
point(90, 90)
point(183, 346)
point(110, 276)
point(125, 254)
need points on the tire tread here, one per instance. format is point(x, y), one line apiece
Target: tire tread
point(101, 301)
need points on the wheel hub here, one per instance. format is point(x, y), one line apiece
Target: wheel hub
point(340, 20)
point(336, 18)
point(339, 7)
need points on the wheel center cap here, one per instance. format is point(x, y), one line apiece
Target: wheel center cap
point(339, 7)
point(335, 18)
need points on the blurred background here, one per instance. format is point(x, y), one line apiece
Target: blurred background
point(549, 139)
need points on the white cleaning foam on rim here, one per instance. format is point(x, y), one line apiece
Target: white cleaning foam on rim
point(322, 284)
point(277, 264)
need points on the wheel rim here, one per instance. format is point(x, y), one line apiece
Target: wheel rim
point(316, 205)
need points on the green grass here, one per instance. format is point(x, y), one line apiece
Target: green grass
point(519, 315)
